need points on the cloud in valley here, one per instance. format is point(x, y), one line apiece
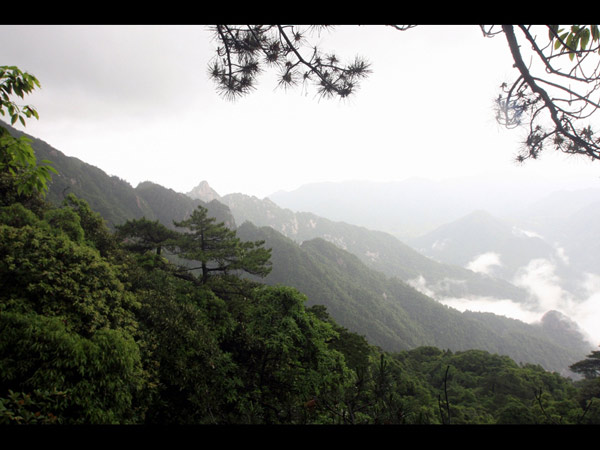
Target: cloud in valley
point(501, 307)
point(484, 263)
point(542, 283)
point(420, 284)
point(525, 233)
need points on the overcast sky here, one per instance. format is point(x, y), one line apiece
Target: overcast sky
point(136, 102)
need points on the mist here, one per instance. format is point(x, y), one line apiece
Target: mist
point(545, 290)
point(485, 263)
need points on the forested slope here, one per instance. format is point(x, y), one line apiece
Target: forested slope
point(378, 250)
point(95, 334)
point(115, 199)
point(395, 316)
point(391, 314)
point(99, 327)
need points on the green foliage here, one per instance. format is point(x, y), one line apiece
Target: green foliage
point(16, 215)
point(282, 354)
point(95, 334)
point(18, 165)
point(97, 234)
point(66, 320)
point(218, 249)
point(573, 40)
point(14, 81)
point(35, 408)
point(485, 388)
point(142, 235)
point(589, 367)
point(49, 274)
point(67, 221)
point(181, 329)
point(99, 374)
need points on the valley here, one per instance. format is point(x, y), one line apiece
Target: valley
point(371, 282)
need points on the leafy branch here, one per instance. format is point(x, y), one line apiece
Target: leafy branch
point(15, 82)
point(17, 159)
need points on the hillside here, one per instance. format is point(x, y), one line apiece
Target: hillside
point(551, 252)
point(357, 296)
point(115, 199)
point(571, 219)
point(461, 242)
point(394, 316)
point(380, 251)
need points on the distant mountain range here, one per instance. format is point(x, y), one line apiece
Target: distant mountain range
point(360, 275)
point(541, 236)
point(413, 207)
point(378, 250)
point(394, 316)
point(461, 242)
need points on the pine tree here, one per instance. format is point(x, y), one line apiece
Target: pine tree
point(218, 249)
point(589, 367)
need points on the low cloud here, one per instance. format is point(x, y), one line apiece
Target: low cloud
point(542, 283)
point(485, 263)
point(501, 307)
point(525, 233)
point(561, 254)
point(420, 284)
point(587, 312)
point(436, 290)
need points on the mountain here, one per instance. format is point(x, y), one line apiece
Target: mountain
point(378, 250)
point(538, 235)
point(115, 199)
point(395, 316)
point(578, 234)
point(413, 207)
point(571, 220)
point(479, 238)
point(397, 208)
point(560, 241)
point(168, 205)
point(389, 311)
point(204, 192)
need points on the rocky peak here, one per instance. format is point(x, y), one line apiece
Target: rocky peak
point(204, 192)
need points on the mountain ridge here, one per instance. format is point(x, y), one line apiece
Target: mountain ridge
point(394, 316)
point(378, 250)
point(150, 194)
point(114, 198)
point(415, 206)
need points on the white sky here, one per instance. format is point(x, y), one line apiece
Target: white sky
point(136, 101)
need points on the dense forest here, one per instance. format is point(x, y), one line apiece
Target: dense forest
point(164, 317)
point(142, 323)
point(101, 330)
point(94, 332)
